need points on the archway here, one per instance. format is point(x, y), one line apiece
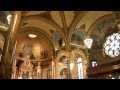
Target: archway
point(79, 59)
point(61, 63)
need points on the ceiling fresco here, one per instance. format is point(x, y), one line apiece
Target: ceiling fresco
point(3, 20)
point(78, 37)
point(57, 40)
point(98, 31)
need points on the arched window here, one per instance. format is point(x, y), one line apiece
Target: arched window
point(80, 68)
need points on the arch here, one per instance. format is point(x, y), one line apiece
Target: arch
point(75, 22)
point(78, 37)
point(45, 35)
point(97, 31)
point(74, 57)
point(90, 30)
point(57, 40)
point(51, 22)
point(60, 54)
point(80, 52)
point(60, 66)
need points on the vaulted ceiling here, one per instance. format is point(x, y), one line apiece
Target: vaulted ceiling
point(45, 23)
point(65, 22)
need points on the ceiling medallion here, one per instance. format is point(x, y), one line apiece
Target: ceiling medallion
point(112, 45)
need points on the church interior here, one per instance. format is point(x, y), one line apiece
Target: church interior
point(59, 44)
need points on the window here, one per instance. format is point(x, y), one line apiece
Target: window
point(94, 63)
point(80, 68)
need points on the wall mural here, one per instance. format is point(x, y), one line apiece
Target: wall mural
point(78, 37)
point(27, 50)
point(64, 73)
point(4, 23)
point(98, 34)
point(57, 40)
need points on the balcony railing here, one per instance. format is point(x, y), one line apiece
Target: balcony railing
point(104, 68)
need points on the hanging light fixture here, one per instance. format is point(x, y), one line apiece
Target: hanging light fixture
point(112, 45)
point(9, 19)
point(32, 35)
point(88, 42)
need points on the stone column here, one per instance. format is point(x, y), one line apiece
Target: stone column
point(53, 69)
point(10, 40)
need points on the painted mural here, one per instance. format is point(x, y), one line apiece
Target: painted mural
point(64, 73)
point(4, 20)
point(57, 40)
point(98, 34)
point(78, 37)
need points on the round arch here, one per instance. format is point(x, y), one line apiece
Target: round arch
point(75, 22)
point(45, 35)
point(90, 30)
point(74, 56)
point(51, 22)
point(60, 66)
point(78, 33)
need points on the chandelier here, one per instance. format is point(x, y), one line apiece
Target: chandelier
point(112, 45)
point(88, 42)
point(9, 19)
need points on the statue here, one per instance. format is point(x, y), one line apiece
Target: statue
point(63, 76)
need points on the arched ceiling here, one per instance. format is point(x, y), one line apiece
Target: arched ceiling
point(39, 44)
point(40, 24)
point(91, 17)
point(65, 22)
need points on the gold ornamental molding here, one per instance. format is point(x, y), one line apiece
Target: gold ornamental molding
point(63, 21)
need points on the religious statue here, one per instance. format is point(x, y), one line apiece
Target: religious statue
point(63, 76)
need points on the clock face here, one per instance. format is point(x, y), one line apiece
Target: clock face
point(112, 45)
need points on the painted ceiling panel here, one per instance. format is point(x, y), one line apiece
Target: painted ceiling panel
point(39, 24)
point(34, 13)
point(90, 18)
point(38, 45)
point(69, 15)
point(57, 18)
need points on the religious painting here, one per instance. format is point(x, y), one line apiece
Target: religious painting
point(57, 40)
point(98, 34)
point(5, 18)
point(64, 73)
point(63, 59)
point(27, 50)
point(25, 75)
point(78, 37)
